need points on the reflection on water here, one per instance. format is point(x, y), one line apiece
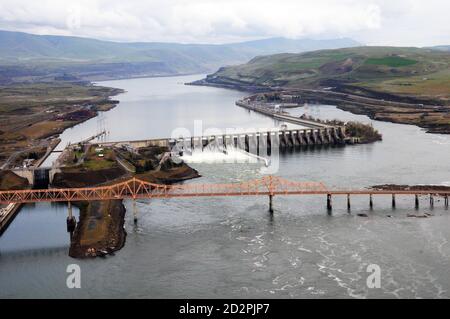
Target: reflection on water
point(37, 226)
point(232, 247)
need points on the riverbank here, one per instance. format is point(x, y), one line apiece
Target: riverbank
point(33, 115)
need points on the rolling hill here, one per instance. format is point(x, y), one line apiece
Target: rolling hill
point(393, 70)
point(28, 57)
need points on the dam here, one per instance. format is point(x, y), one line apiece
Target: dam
point(252, 142)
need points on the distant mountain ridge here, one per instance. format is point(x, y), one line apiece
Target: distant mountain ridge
point(441, 47)
point(26, 56)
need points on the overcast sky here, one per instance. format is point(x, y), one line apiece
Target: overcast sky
point(373, 22)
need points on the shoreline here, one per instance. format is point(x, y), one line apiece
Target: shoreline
point(41, 127)
point(355, 104)
point(145, 77)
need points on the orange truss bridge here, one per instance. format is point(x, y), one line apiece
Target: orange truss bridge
point(138, 189)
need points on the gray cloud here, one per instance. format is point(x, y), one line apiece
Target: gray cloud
point(403, 22)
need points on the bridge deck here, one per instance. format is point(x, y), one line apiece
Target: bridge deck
point(284, 117)
point(138, 189)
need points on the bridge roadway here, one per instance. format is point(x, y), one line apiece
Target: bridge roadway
point(283, 116)
point(266, 186)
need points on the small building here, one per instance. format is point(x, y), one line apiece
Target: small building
point(129, 148)
point(27, 162)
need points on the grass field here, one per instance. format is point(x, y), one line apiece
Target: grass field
point(392, 61)
point(94, 162)
point(25, 97)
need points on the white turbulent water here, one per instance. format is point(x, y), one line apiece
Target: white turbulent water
point(211, 157)
point(232, 247)
point(231, 155)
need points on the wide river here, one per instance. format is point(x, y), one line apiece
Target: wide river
point(232, 247)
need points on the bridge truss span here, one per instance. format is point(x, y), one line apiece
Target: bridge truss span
point(266, 186)
point(136, 188)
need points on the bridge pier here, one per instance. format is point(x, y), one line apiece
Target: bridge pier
point(271, 204)
point(71, 221)
point(329, 204)
point(416, 201)
point(135, 217)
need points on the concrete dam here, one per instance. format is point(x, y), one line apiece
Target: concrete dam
point(258, 143)
point(261, 143)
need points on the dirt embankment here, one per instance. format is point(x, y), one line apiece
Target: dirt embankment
point(11, 181)
point(76, 179)
point(100, 230)
point(173, 175)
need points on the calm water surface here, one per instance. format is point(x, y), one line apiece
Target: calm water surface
point(232, 247)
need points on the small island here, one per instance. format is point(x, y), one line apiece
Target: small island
point(360, 132)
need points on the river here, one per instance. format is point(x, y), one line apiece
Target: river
point(232, 247)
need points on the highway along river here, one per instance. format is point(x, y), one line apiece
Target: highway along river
point(232, 247)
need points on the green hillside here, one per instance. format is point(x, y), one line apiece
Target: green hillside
point(410, 71)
